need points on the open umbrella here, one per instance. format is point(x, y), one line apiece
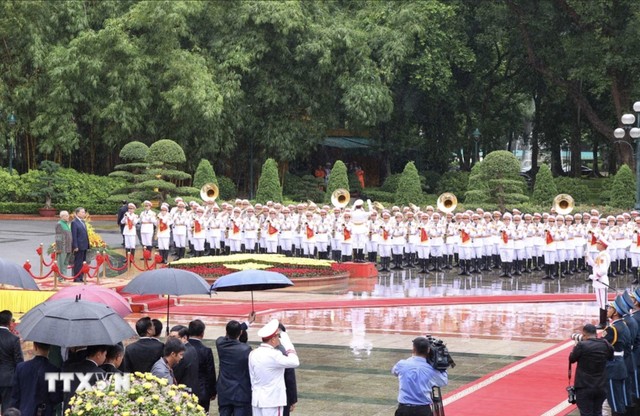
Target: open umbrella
point(98, 294)
point(15, 275)
point(167, 281)
point(73, 323)
point(250, 280)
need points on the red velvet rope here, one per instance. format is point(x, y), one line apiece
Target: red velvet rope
point(106, 257)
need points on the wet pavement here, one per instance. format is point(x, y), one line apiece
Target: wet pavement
point(347, 353)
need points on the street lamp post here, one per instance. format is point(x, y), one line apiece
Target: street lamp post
point(634, 133)
point(476, 138)
point(11, 119)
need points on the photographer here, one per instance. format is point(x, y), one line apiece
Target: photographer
point(591, 354)
point(416, 378)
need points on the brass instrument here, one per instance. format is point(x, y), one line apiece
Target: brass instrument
point(378, 206)
point(209, 192)
point(414, 207)
point(340, 198)
point(447, 202)
point(563, 204)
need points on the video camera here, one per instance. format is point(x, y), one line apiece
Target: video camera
point(577, 337)
point(439, 357)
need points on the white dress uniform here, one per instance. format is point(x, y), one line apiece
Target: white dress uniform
point(180, 221)
point(373, 238)
point(360, 229)
point(286, 234)
point(130, 219)
point(164, 232)
point(147, 222)
point(199, 232)
point(250, 228)
point(234, 235)
point(272, 233)
point(346, 231)
point(308, 235)
point(385, 232)
point(322, 228)
point(600, 278)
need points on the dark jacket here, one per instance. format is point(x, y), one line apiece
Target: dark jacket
point(30, 389)
point(186, 371)
point(86, 366)
point(142, 355)
point(79, 235)
point(290, 384)
point(234, 383)
point(206, 371)
point(10, 356)
point(592, 356)
point(110, 369)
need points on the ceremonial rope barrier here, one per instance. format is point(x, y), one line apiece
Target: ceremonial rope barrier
point(87, 271)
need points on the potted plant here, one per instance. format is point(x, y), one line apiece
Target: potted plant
point(47, 187)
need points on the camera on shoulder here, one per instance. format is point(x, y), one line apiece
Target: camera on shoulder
point(439, 356)
point(571, 394)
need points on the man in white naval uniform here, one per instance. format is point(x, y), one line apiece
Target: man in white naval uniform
point(266, 369)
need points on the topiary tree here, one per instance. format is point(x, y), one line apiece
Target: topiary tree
point(455, 182)
point(303, 188)
point(204, 174)
point(409, 188)
point(269, 188)
point(545, 188)
point(576, 187)
point(227, 188)
point(500, 171)
point(477, 187)
point(134, 154)
point(337, 179)
point(622, 189)
point(50, 185)
point(355, 188)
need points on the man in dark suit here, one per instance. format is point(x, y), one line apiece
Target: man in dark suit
point(115, 356)
point(142, 354)
point(96, 354)
point(121, 211)
point(186, 371)
point(30, 389)
point(234, 383)
point(289, 382)
point(79, 242)
point(10, 356)
point(206, 366)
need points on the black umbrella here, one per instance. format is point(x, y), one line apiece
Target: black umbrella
point(168, 281)
point(73, 323)
point(15, 275)
point(250, 280)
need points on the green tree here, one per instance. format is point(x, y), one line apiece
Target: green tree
point(204, 174)
point(477, 189)
point(622, 189)
point(338, 179)
point(500, 171)
point(269, 188)
point(544, 189)
point(409, 189)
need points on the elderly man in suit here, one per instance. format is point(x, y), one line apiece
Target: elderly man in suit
point(234, 383)
point(79, 242)
point(30, 389)
point(10, 357)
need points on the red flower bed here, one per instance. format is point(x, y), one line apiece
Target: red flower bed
point(300, 272)
point(291, 272)
point(206, 271)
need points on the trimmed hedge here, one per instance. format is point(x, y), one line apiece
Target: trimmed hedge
point(33, 207)
point(409, 186)
point(298, 188)
point(545, 188)
point(269, 188)
point(337, 179)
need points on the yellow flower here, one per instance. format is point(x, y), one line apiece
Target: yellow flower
point(112, 393)
point(185, 394)
point(155, 397)
point(140, 399)
point(88, 407)
point(125, 414)
point(163, 382)
point(148, 376)
point(115, 402)
point(139, 374)
point(79, 401)
point(178, 408)
point(154, 412)
point(80, 412)
point(147, 386)
point(190, 405)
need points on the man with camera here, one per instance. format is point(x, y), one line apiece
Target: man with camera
point(416, 377)
point(591, 353)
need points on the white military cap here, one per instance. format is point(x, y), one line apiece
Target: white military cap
point(269, 330)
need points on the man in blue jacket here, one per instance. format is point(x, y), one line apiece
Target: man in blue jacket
point(234, 383)
point(79, 242)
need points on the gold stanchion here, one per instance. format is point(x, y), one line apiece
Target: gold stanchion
point(104, 266)
point(55, 276)
point(84, 275)
point(41, 257)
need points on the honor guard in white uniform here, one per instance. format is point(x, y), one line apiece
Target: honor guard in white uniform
point(570, 245)
point(451, 240)
point(507, 235)
point(634, 250)
point(346, 230)
point(373, 238)
point(199, 231)
point(250, 227)
point(360, 227)
point(600, 266)
point(489, 246)
point(180, 220)
point(336, 235)
point(537, 229)
point(272, 232)
point(129, 221)
point(549, 249)
point(385, 232)
point(286, 232)
point(465, 248)
point(308, 235)
point(147, 224)
point(423, 246)
point(413, 239)
point(215, 229)
point(164, 231)
point(322, 230)
point(477, 242)
point(436, 231)
point(234, 231)
point(399, 239)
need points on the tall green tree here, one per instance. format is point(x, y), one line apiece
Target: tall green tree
point(269, 188)
point(409, 190)
point(544, 189)
point(338, 179)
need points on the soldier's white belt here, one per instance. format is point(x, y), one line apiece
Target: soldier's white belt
point(618, 353)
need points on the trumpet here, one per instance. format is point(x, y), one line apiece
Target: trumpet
point(340, 198)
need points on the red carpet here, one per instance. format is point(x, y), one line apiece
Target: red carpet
point(534, 386)
point(215, 308)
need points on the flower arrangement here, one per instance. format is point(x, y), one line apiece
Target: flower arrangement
point(95, 240)
point(147, 396)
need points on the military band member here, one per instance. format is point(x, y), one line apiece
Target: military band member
point(423, 247)
point(147, 224)
point(234, 231)
point(250, 226)
point(519, 234)
point(164, 231)
point(634, 250)
point(507, 234)
point(360, 227)
point(600, 266)
point(130, 220)
point(436, 243)
point(560, 237)
point(549, 248)
point(321, 231)
point(286, 232)
point(198, 227)
point(180, 221)
point(215, 229)
point(273, 230)
point(336, 235)
point(346, 230)
point(385, 232)
point(450, 239)
point(399, 238)
point(308, 235)
point(412, 239)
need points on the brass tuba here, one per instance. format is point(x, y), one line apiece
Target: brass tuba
point(447, 202)
point(340, 198)
point(563, 204)
point(209, 192)
point(378, 207)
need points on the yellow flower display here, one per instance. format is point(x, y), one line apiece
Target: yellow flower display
point(147, 395)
